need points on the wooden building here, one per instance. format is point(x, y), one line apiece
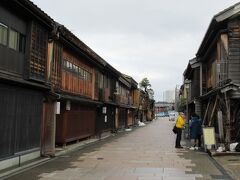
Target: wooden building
point(80, 87)
point(106, 115)
point(24, 31)
point(86, 85)
point(122, 99)
point(192, 87)
point(219, 61)
point(133, 101)
point(146, 109)
point(54, 89)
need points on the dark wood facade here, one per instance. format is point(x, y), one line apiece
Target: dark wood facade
point(219, 59)
point(23, 85)
point(74, 77)
point(106, 114)
point(21, 112)
point(122, 99)
point(75, 124)
point(54, 89)
point(193, 87)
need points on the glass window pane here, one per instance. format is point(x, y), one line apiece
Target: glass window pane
point(13, 39)
point(3, 34)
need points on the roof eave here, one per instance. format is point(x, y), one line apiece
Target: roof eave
point(218, 18)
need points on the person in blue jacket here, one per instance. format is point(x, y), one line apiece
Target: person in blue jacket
point(195, 131)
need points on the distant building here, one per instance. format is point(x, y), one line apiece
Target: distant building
point(169, 96)
point(177, 90)
point(163, 106)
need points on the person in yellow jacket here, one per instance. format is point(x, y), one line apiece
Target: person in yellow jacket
point(180, 123)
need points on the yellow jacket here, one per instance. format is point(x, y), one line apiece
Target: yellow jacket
point(180, 122)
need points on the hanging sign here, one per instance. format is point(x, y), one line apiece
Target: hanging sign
point(104, 110)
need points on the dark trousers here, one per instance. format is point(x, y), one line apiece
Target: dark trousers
point(178, 138)
point(199, 138)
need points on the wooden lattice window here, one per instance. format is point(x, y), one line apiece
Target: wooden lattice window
point(56, 65)
point(38, 52)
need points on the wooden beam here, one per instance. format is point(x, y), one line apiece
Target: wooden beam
point(213, 110)
point(205, 115)
point(228, 121)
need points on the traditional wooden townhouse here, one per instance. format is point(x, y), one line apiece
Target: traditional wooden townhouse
point(106, 121)
point(142, 111)
point(148, 107)
point(93, 96)
point(136, 103)
point(219, 58)
point(54, 89)
point(191, 92)
point(24, 34)
point(122, 99)
point(182, 96)
point(151, 107)
point(133, 101)
point(192, 87)
point(85, 84)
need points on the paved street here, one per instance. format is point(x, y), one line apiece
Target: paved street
point(146, 153)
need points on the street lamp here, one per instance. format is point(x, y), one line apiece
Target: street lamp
point(187, 86)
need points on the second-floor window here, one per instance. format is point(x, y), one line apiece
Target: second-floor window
point(3, 34)
point(77, 70)
point(12, 38)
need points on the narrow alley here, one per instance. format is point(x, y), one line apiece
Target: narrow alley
point(146, 153)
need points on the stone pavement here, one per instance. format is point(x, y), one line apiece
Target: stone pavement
point(146, 153)
point(231, 164)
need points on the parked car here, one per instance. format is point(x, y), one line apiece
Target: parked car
point(160, 114)
point(172, 115)
point(166, 114)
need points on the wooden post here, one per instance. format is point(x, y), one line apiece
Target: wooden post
point(227, 124)
point(205, 115)
point(213, 110)
point(48, 129)
point(220, 126)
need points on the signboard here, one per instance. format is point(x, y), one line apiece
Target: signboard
point(209, 136)
point(57, 107)
point(104, 110)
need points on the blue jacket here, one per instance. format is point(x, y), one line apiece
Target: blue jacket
point(195, 127)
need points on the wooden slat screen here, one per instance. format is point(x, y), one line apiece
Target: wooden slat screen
point(76, 75)
point(38, 52)
point(56, 66)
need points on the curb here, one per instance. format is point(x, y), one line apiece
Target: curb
point(228, 153)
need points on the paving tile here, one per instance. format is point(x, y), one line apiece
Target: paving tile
point(150, 178)
point(178, 178)
point(148, 170)
point(126, 177)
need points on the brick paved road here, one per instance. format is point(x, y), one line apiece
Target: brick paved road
point(146, 153)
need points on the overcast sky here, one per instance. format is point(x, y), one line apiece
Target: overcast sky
point(140, 38)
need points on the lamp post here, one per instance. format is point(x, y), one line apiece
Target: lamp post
point(187, 86)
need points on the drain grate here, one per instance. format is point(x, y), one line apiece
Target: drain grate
point(100, 158)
